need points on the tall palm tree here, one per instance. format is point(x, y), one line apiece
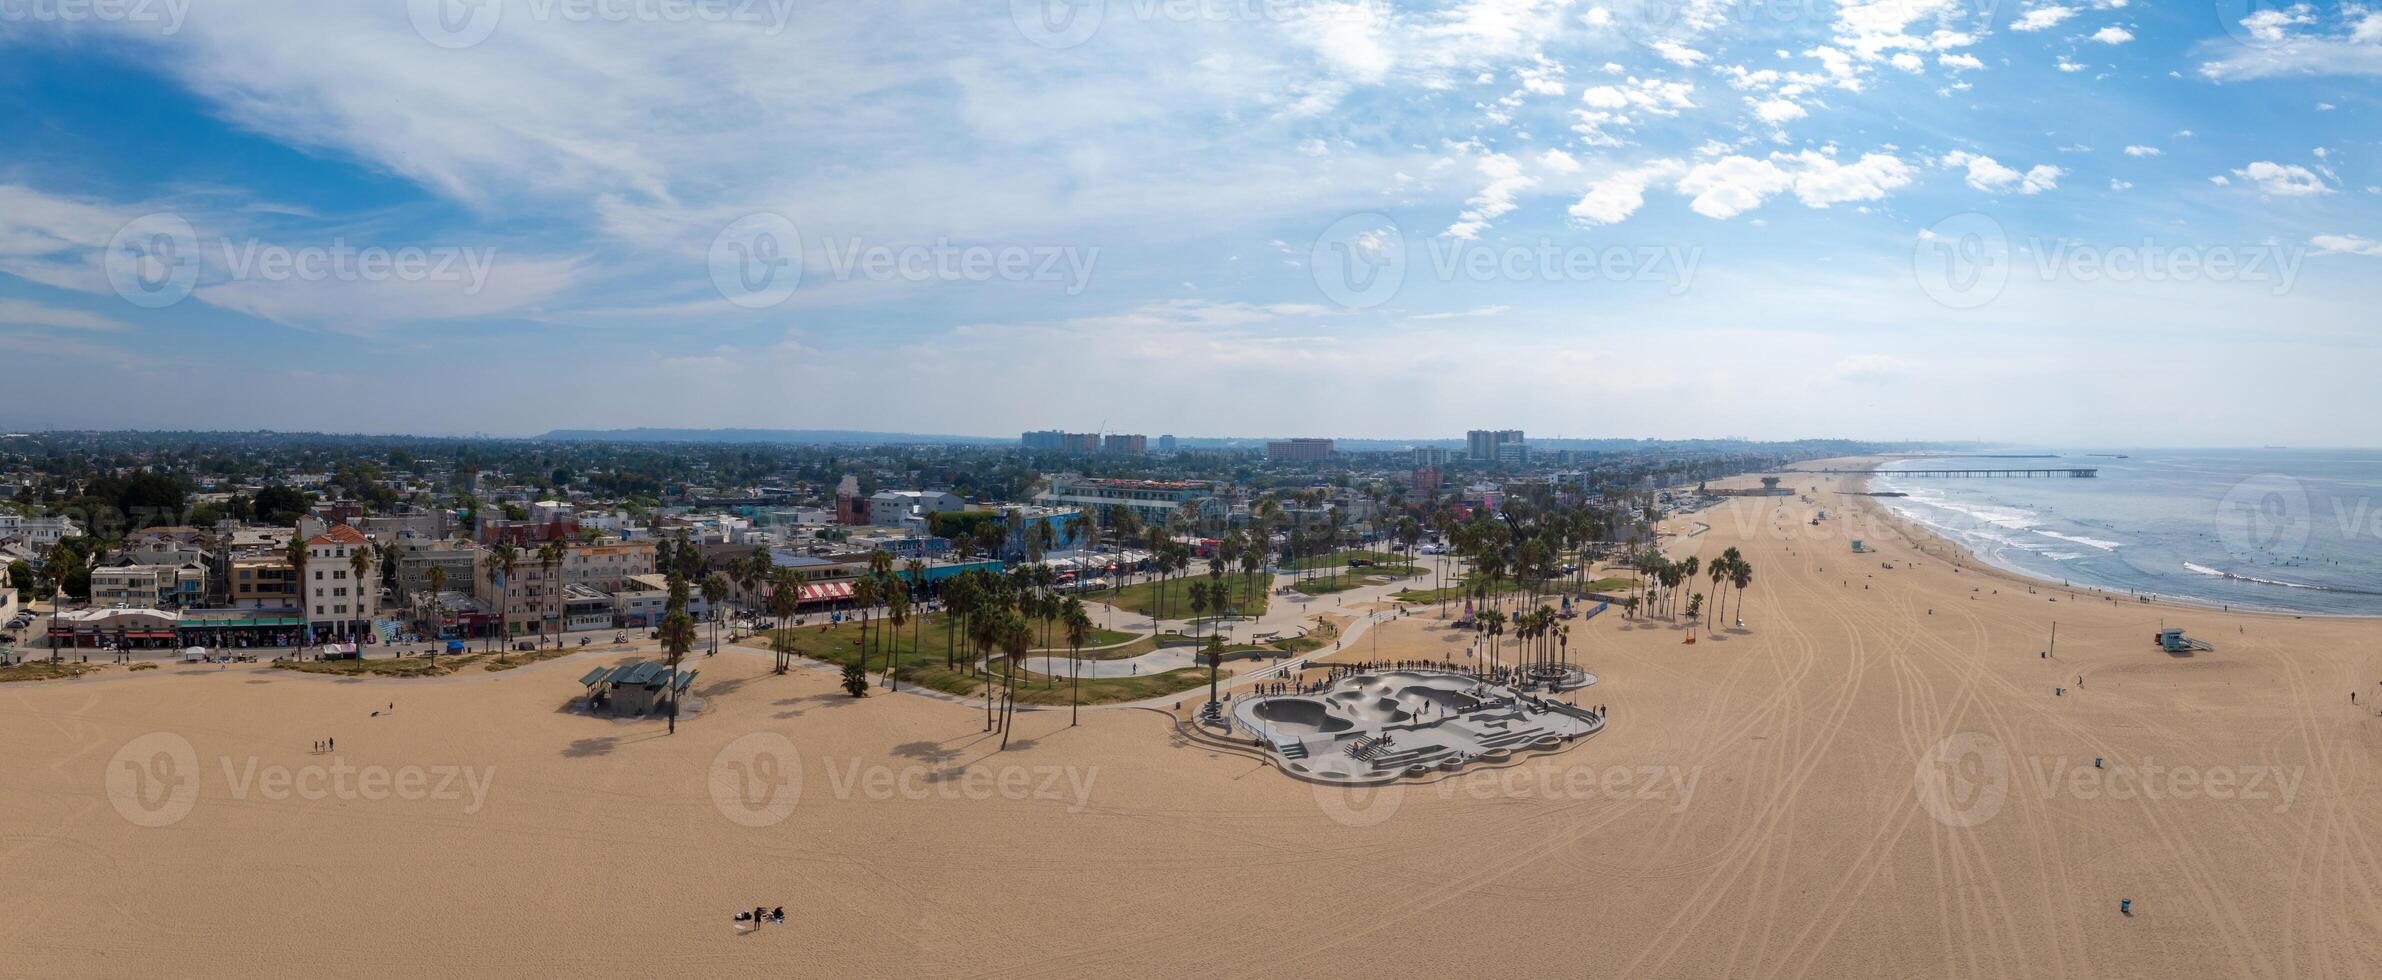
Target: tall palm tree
point(438, 584)
point(1740, 576)
point(503, 561)
point(715, 591)
point(897, 613)
point(864, 595)
point(1079, 627)
point(785, 597)
point(678, 637)
point(359, 563)
point(550, 557)
point(1717, 572)
point(1015, 636)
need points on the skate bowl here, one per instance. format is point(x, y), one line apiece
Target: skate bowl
point(1381, 726)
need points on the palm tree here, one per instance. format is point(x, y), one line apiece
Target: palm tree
point(1740, 576)
point(1717, 571)
point(1015, 636)
point(1687, 570)
point(550, 556)
point(678, 637)
point(897, 612)
point(785, 596)
point(438, 584)
point(503, 561)
point(1079, 627)
point(359, 563)
point(864, 595)
point(715, 590)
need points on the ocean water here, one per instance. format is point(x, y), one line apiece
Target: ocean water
point(2277, 529)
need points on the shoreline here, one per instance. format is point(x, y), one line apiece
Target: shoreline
point(1929, 541)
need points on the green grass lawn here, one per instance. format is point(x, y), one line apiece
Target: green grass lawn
point(1457, 593)
point(438, 666)
point(43, 670)
point(1248, 596)
point(1355, 578)
point(1340, 559)
point(925, 665)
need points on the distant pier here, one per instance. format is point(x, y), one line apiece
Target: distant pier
point(2077, 472)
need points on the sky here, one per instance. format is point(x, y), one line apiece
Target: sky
point(2080, 222)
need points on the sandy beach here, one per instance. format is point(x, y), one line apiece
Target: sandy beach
point(1879, 775)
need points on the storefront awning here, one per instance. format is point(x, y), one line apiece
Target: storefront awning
point(827, 592)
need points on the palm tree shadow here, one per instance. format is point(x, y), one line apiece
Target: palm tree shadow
point(585, 748)
point(928, 752)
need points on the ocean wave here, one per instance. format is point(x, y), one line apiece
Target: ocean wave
point(2080, 539)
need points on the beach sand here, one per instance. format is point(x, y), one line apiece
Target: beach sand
point(1851, 786)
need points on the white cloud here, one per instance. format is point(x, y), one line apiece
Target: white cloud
point(1821, 181)
point(2113, 34)
point(1615, 198)
point(2143, 151)
point(1777, 111)
point(1907, 62)
point(1959, 61)
point(1558, 161)
point(2346, 245)
point(1987, 174)
point(26, 313)
point(1679, 54)
point(2120, 185)
point(2042, 18)
point(1496, 198)
point(2282, 179)
point(1731, 185)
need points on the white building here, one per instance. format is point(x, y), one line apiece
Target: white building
point(336, 600)
point(911, 508)
point(41, 532)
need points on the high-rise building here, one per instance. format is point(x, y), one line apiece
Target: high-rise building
point(1433, 456)
point(1426, 480)
point(1514, 454)
point(1166, 445)
point(1299, 450)
point(1042, 439)
point(1119, 442)
point(1482, 444)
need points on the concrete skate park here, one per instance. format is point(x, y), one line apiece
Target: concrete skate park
point(1380, 726)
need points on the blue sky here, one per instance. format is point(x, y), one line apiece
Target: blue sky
point(2072, 222)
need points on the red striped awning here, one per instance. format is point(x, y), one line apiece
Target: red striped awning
point(827, 592)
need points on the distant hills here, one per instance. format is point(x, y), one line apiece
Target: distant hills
point(806, 437)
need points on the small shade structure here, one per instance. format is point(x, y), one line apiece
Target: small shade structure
point(633, 688)
point(193, 654)
point(454, 646)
